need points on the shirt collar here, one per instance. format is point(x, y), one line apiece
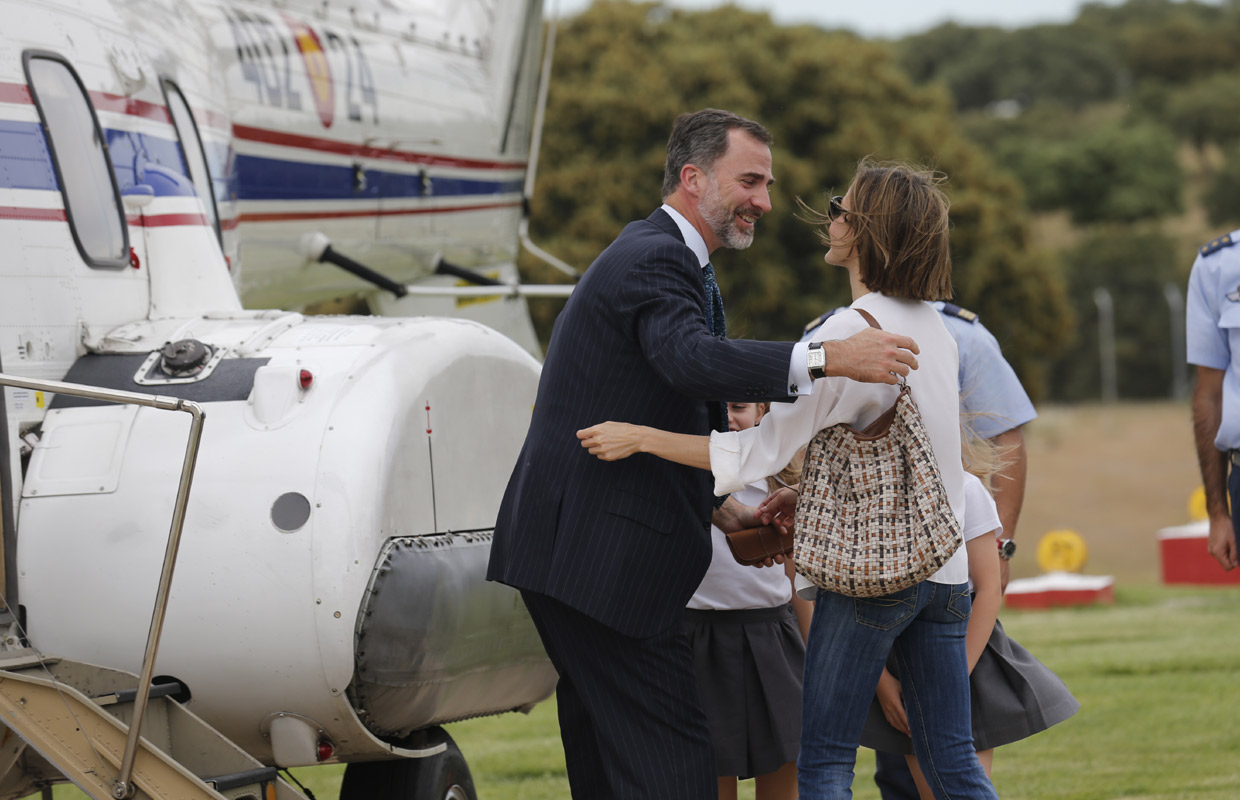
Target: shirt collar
point(692, 238)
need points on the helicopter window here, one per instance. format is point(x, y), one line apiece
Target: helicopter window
point(80, 154)
point(192, 149)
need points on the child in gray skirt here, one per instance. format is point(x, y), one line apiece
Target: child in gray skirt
point(1013, 695)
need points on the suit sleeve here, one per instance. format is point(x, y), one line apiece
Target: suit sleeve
point(664, 297)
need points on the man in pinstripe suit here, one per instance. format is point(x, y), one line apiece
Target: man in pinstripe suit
point(606, 554)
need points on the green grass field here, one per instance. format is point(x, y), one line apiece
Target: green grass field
point(1157, 674)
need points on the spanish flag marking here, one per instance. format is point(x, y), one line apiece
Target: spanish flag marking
point(318, 70)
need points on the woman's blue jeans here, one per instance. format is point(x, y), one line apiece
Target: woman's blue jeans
point(850, 638)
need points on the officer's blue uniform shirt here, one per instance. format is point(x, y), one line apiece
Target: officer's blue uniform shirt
point(1213, 326)
point(989, 388)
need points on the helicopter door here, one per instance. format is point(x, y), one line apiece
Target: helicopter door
point(193, 152)
point(89, 280)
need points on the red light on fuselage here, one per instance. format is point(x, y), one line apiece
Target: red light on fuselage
point(325, 750)
point(305, 379)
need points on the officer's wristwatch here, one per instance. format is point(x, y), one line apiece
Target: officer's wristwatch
point(1007, 549)
point(816, 360)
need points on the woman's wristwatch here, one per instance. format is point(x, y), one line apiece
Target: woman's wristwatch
point(816, 360)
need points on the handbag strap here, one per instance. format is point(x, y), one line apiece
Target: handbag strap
point(879, 427)
point(868, 317)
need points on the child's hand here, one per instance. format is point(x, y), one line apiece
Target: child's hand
point(612, 441)
point(779, 508)
point(891, 700)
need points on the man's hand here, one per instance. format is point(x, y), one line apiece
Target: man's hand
point(1222, 542)
point(871, 356)
point(778, 509)
point(735, 516)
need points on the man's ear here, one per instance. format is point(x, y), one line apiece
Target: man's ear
point(692, 179)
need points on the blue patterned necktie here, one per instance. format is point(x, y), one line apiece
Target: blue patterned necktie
point(718, 326)
point(714, 316)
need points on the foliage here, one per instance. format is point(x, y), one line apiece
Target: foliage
point(1207, 110)
point(1060, 64)
point(1121, 173)
point(1134, 267)
point(623, 71)
point(1222, 198)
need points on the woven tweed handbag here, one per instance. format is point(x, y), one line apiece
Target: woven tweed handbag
point(873, 517)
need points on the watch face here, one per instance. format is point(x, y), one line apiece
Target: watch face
point(1007, 548)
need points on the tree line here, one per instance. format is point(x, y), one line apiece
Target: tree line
point(1094, 153)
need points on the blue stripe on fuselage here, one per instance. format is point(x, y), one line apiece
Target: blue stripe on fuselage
point(274, 179)
point(25, 162)
point(133, 154)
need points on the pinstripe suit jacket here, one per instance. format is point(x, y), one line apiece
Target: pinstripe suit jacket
point(626, 542)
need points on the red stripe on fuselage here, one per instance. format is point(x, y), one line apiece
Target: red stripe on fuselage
point(58, 215)
point(119, 104)
point(14, 93)
point(319, 144)
point(166, 220)
point(42, 214)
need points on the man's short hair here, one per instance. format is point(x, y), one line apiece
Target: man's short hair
point(701, 138)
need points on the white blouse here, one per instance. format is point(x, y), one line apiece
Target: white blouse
point(741, 457)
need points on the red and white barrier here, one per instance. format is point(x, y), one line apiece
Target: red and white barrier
point(1059, 589)
point(1185, 559)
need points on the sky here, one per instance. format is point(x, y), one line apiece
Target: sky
point(884, 18)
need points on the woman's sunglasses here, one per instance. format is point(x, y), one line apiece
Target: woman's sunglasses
point(836, 208)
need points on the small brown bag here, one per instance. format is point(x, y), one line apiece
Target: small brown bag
point(872, 517)
point(753, 546)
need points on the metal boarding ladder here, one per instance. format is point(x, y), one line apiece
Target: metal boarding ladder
point(86, 723)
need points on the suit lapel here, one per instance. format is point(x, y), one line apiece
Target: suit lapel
point(664, 222)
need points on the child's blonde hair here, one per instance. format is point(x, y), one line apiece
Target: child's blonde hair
point(982, 457)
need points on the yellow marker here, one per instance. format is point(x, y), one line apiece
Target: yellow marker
point(1197, 504)
point(1062, 551)
point(461, 302)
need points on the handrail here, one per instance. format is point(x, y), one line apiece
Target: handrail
point(121, 787)
point(501, 290)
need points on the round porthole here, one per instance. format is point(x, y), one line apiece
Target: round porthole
point(290, 511)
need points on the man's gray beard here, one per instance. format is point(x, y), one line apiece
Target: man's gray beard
point(722, 221)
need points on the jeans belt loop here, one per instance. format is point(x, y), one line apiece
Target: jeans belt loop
point(1234, 455)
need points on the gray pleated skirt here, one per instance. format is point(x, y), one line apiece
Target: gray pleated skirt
point(1013, 696)
point(749, 667)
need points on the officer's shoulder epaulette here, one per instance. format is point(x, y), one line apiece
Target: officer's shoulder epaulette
point(1215, 245)
point(953, 310)
point(814, 323)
